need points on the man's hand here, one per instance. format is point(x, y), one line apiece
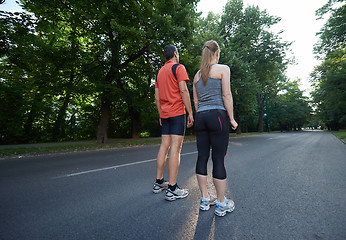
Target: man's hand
point(190, 120)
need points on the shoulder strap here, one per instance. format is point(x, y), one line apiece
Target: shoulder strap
point(174, 69)
point(156, 76)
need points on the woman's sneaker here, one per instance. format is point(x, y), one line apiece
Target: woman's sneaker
point(177, 193)
point(224, 207)
point(206, 202)
point(160, 187)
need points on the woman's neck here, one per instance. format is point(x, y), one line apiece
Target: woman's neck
point(214, 62)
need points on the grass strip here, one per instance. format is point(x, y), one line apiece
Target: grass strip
point(341, 134)
point(73, 147)
point(113, 144)
point(84, 146)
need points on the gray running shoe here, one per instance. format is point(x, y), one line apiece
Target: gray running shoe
point(177, 193)
point(207, 202)
point(160, 187)
point(222, 208)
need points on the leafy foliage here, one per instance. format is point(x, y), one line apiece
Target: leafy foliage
point(329, 77)
point(289, 110)
point(73, 69)
point(257, 58)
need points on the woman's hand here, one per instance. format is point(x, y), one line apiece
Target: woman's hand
point(234, 124)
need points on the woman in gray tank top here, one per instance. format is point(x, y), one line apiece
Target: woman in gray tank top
point(214, 106)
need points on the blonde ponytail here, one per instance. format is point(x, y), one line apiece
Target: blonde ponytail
point(209, 49)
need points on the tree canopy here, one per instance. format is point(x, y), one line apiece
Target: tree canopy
point(329, 77)
point(80, 69)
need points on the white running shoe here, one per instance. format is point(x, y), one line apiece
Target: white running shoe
point(176, 194)
point(207, 202)
point(224, 207)
point(160, 187)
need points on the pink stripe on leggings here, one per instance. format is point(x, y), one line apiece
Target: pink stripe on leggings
point(220, 123)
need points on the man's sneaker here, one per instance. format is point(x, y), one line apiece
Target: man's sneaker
point(224, 207)
point(160, 187)
point(177, 193)
point(206, 202)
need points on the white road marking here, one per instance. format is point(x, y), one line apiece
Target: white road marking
point(114, 167)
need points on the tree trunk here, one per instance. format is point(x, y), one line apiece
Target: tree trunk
point(102, 129)
point(31, 117)
point(105, 115)
point(58, 132)
point(260, 105)
point(135, 121)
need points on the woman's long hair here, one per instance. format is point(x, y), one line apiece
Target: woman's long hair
point(209, 49)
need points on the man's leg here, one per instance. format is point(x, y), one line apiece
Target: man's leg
point(177, 131)
point(174, 158)
point(162, 155)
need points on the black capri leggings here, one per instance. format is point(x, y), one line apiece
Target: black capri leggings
point(212, 130)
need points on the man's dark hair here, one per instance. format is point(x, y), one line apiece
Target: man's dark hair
point(168, 51)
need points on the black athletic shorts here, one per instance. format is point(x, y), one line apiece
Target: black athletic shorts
point(174, 125)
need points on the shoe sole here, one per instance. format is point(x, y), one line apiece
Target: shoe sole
point(223, 213)
point(173, 198)
point(204, 208)
point(159, 190)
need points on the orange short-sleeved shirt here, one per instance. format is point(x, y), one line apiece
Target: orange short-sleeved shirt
point(170, 99)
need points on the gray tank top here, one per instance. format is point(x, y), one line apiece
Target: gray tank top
point(210, 95)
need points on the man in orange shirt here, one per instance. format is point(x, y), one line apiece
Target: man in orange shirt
point(172, 98)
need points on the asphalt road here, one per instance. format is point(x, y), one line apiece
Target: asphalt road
point(285, 186)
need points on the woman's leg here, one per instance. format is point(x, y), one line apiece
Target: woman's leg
point(203, 147)
point(220, 186)
point(219, 142)
point(202, 183)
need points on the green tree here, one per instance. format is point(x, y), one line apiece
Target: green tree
point(332, 34)
point(289, 109)
point(330, 88)
point(52, 58)
point(123, 41)
point(329, 77)
point(257, 58)
point(27, 72)
point(71, 69)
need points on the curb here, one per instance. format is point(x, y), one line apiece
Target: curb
point(342, 140)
